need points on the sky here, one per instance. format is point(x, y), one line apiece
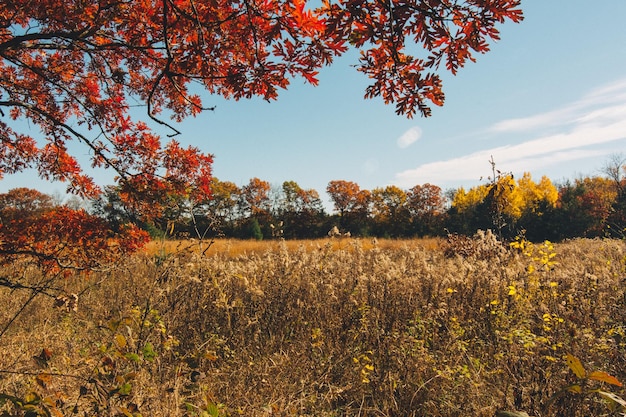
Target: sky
point(548, 99)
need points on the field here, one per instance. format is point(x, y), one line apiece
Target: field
point(348, 327)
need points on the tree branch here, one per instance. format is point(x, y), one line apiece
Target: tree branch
point(55, 121)
point(16, 41)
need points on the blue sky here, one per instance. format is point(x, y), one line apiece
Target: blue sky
point(549, 98)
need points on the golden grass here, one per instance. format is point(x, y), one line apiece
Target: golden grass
point(321, 328)
point(238, 247)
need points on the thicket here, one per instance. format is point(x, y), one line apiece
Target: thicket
point(336, 327)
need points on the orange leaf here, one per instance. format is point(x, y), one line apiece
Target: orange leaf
point(43, 379)
point(604, 377)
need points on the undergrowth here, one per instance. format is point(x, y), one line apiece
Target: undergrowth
point(354, 328)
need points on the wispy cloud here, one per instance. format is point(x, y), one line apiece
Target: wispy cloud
point(596, 119)
point(614, 93)
point(532, 122)
point(409, 137)
point(371, 166)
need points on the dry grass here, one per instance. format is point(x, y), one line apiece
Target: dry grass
point(236, 248)
point(323, 328)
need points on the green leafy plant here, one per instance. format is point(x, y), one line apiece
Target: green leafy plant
point(209, 409)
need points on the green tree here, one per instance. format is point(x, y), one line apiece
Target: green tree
point(255, 229)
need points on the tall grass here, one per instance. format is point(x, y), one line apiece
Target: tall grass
point(325, 328)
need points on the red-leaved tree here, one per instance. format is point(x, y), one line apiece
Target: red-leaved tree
point(56, 237)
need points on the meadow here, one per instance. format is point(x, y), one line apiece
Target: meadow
point(331, 327)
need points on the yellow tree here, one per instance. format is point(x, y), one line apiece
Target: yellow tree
point(537, 195)
point(300, 210)
point(224, 200)
point(504, 201)
point(465, 200)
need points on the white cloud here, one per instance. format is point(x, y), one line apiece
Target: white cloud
point(614, 93)
point(409, 137)
point(532, 122)
point(371, 166)
point(597, 119)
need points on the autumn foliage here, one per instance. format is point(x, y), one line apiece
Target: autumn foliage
point(504, 203)
point(510, 206)
point(59, 237)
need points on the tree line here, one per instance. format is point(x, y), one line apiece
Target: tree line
point(584, 207)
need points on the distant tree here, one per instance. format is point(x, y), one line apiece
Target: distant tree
point(254, 229)
point(23, 202)
point(109, 205)
point(221, 210)
point(538, 202)
point(343, 194)
point(301, 211)
point(582, 208)
point(176, 215)
point(467, 212)
point(352, 203)
point(533, 194)
point(426, 205)
point(615, 170)
point(597, 199)
point(503, 204)
point(389, 211)
point(255, 199)
point(571, 218)
point(224, 199)
point(255, 203)
point(291, 197)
